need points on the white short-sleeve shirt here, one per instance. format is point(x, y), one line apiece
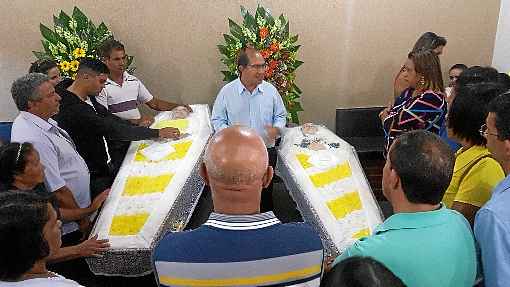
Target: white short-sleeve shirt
point(57, 281)
point(63, 165)
point(123, 100)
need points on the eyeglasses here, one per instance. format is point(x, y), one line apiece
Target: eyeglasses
point(483, 131)
point(258, 66)
point(453, 78)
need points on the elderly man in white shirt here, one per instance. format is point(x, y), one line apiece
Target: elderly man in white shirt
point(65, 172)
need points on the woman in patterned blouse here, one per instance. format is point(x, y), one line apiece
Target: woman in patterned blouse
point(423, 104)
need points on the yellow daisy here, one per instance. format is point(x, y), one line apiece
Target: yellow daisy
point(65, 66)
point(74, 65)
point(79, 53)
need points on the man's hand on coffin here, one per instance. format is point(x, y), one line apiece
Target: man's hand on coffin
point(99, 199)
point(328, 263)
point(146, 121)
point(272, 133)
point(93, 247)
point(171, 133)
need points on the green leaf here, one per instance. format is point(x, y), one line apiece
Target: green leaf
point(297, 63)
point(129, 61)
point(244, 11)
point(64, 19)
point(294, 117)
point(297, 107)
point(229, 39)
point(235, 29)
point(80, 18)
point(285, 31)
point(250, 23)
point(297, 89)
point(223, 49)
point(46, 45)
point(101, 30)
point(294, 49)
point(40, 55)
point(48, 34)
point(261, 12)
point(293, 39)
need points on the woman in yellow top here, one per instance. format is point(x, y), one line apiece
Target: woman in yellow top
point(475, 173)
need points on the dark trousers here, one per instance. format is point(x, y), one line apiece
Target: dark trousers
point(266, 203)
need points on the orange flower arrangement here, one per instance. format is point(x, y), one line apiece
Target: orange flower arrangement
point(266, 53)
point(263, 32)
point(275, 47)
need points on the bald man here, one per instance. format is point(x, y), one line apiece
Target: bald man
point(238, 245)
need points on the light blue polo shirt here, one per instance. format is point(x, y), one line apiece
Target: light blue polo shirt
point(433, 248)
point(235, 105)
point(492, 231)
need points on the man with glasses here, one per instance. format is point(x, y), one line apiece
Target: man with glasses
point(492, 222)
point(252, 102)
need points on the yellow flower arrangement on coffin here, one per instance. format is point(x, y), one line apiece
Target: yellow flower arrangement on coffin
point(331, 175)
point(140, 185)
point(123, 225)
point(345, 204)
point(181, 124)
point(181, 149)
point(303, 160)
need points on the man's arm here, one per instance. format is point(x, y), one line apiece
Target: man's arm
point(73, 214)
point(114, 128)
point(493, 236)
point(280, 113)
point(161, 105)
point(219, 117)
point(90, 247)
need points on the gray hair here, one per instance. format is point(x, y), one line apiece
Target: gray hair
point(25, 89)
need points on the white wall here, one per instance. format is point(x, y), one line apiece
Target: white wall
point(501, 57)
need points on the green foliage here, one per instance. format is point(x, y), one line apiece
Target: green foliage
point(72, 38)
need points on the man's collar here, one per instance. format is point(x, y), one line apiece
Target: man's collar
point(242, 222)
point(414, 220)
point(41, 123)
point(241, 88)
point(125, 77)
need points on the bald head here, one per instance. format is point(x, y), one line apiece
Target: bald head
point(236, 155)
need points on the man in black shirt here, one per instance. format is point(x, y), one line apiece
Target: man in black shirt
point(100, 136)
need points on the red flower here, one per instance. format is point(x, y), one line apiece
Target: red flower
point(269, 73)
point(263, 32)
point(274, 47)
point(273, 64)
point(266, 53)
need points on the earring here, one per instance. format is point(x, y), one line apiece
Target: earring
point(422, 81)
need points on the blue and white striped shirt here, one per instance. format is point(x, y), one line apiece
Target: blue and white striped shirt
point(241, 250)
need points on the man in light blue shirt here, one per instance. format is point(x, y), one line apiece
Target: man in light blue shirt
point(492, 222)
point(252, 102)
point(423, 243)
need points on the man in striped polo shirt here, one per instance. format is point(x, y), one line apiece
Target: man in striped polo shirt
point(123, 92)
point(238, 245)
